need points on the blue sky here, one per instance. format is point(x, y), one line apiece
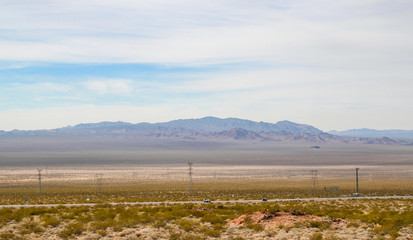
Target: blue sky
point(331, 64)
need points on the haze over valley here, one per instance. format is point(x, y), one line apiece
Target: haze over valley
point(207, 140)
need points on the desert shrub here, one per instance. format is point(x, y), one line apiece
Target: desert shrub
point(197, 213)
point(212, 218)
point(191, 237)
point(67, 215)
point(30, 227)
point(353, 224)
point(316, 236)
point(80, 210)
point(8, 236)
point(255, 226)
point(32, 211)
point(49, 220)
point(102, 232)
point(72, 229)
point(14, 214)
point(211, 232)
point(322, 225)
point(387, 229)
point(238, 238)
point(332, 237)
point(390, 221)
point(218, 226)
point(104, 214)
point(174, 236)
point(129, 218)
point(159, 224)
point(186, 225)
point(84, 219)
point(102, 224)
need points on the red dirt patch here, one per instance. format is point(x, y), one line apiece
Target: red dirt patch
point(276, 219)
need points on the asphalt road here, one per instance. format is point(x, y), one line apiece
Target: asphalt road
point(199, 202)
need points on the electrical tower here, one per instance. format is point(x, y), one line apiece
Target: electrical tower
point(314, 180)
point(40, 180)
point(357, 182)
point(98, 182)
point(190, 186)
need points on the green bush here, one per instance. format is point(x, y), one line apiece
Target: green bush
point(8, 236)
point(30, 227)
point(322, 225)
point(49, 220)
point(186, 225)
point(353, 224)
point(317, 236)
point(71, 229)
point(255, 226)
point(212, 218)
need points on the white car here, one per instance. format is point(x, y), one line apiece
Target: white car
point(206, 200)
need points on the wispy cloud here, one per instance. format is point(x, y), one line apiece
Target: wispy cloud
point(41, 87)
point(113, 86)
point(186, 32)
point(309, 61)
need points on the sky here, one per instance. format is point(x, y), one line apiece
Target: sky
point(331, 64)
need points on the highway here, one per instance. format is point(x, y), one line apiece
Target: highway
point(200, 202)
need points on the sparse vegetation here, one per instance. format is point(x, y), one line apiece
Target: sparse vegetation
point(201, 221)
point(379, 218)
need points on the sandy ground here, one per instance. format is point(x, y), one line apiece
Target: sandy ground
point(204, 172)
point(279, 226)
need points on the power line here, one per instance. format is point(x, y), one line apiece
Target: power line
point(357, 182)
point(190, 186)
point(314, 179)
point(40, 180)
point(98, 182)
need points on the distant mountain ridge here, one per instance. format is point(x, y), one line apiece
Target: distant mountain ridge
point(366, 132)
point(208, 124)
point(207, 129)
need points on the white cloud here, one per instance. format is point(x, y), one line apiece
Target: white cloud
point(329, 63)
point(304, 32)
point(113, 86)
point(39, 87)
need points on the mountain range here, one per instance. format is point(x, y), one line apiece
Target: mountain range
point(366, 132)
point(203, 129)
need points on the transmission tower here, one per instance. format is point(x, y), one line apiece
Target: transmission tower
point(98, 182)
point(357, 182)
point(190, 186)
point(40, 180)
point(314, 180)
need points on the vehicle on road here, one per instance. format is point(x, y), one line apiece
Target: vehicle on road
point(264, 200)
point(207, 200)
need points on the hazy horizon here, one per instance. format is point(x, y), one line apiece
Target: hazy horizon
point(72, 125)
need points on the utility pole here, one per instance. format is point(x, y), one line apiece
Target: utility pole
point(357, 182)
point(40, 180)
point(98, 178)
point(314, 178)
point(190, 187)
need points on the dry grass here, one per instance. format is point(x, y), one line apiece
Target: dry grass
point(160, 184)
point(366, 219)
point(370, 219)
